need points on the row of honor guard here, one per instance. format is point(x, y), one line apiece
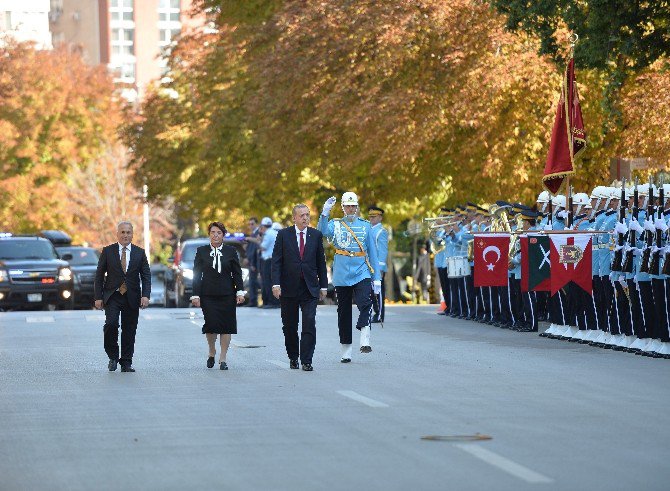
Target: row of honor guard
point(628, 309)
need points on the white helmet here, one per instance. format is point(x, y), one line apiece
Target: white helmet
point(600, 192)
point(643, 189)
point(543, 197)
point(666, 191)
point(616, 193)
point(349, 198)
point(558, 200)
point(581, 199)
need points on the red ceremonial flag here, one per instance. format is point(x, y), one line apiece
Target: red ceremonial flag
point(491, 260)
point(568, 138)
point(571, 261)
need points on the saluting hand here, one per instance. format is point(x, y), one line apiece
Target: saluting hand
point(328, 205)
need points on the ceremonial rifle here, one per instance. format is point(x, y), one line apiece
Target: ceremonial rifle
point(627, 266)
point(618, 253)
point(568, 218)
point(648, 235)
point(654, 266)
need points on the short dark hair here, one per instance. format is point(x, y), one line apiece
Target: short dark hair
point(218, 225)
point(254, 219)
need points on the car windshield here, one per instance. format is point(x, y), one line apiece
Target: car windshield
point(188, 253)
point(81, 256)
point(26, 249)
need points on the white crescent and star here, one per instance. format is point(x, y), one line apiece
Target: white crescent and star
point(491, 266)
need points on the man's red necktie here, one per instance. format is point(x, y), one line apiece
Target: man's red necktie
point(302, 245)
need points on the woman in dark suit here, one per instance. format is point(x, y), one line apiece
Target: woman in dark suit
point(217, 287)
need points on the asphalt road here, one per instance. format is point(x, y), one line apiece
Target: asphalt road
point(560, 416)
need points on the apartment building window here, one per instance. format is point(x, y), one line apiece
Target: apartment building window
point(122, 25)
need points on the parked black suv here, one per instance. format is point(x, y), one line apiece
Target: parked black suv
point(83, 263)
point(183, 268)
point(32, 276)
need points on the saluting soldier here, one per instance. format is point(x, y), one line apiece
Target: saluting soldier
point(355, 269)
point(381, 237)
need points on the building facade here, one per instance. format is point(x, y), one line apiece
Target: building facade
point(131, 37)
point(25, 20)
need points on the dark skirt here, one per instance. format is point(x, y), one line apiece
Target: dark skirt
point(220, 314)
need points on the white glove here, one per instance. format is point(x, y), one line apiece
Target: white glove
point(620, 228)
point(649, 225)
point(635, 226)
point(328, 205)
point(661, 225)
point(376, 287)
point(562, 214)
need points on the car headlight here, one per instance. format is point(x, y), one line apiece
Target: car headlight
point(188, 274)
point(65, 274)
point(4, 276)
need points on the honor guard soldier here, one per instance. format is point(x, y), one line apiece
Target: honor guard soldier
point(381, 237)
point(355, 269)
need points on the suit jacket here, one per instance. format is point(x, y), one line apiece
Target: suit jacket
point(208, 281)
point(252, 251)
point(287, 265)
point(137, 275)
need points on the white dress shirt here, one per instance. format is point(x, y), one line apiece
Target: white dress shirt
point(127, 255)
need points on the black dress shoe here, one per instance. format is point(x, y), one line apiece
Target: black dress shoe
point(127, 368)
point(210, 362)
point(307, 367)
point(223, 365)
point(112, 365)
point(366, 349)
point(345, 360)
point(293, 364)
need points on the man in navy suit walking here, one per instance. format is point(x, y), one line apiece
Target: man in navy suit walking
point(299, 279)
point(122, 287)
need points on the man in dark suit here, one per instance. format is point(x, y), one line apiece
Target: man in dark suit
point(299, 279)
point(252, 257)
point(122, 286)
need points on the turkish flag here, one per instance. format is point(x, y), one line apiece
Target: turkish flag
point(571, 261)
point(491, 259)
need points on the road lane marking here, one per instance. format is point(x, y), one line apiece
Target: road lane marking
point(504, 464)
point(34, 319)
point(357, 397)
point(155, 317)
point(280, 364)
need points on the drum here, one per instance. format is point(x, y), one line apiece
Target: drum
point(457, 267)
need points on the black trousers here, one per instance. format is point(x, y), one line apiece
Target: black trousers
point(496, 308)
point(661, 304)
point(444, 285)
point(115, 306)
point(470, 296)
point(253, 287)
point(360, 294)
point(637, 321)
point(266, 273)
point(505, 308)
point(649, 318)
point(605, 308)
point(290, 310)
point(515, 300)
point(621, 311)
point(557, 308)
point(378, 303)
point(529, 301)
